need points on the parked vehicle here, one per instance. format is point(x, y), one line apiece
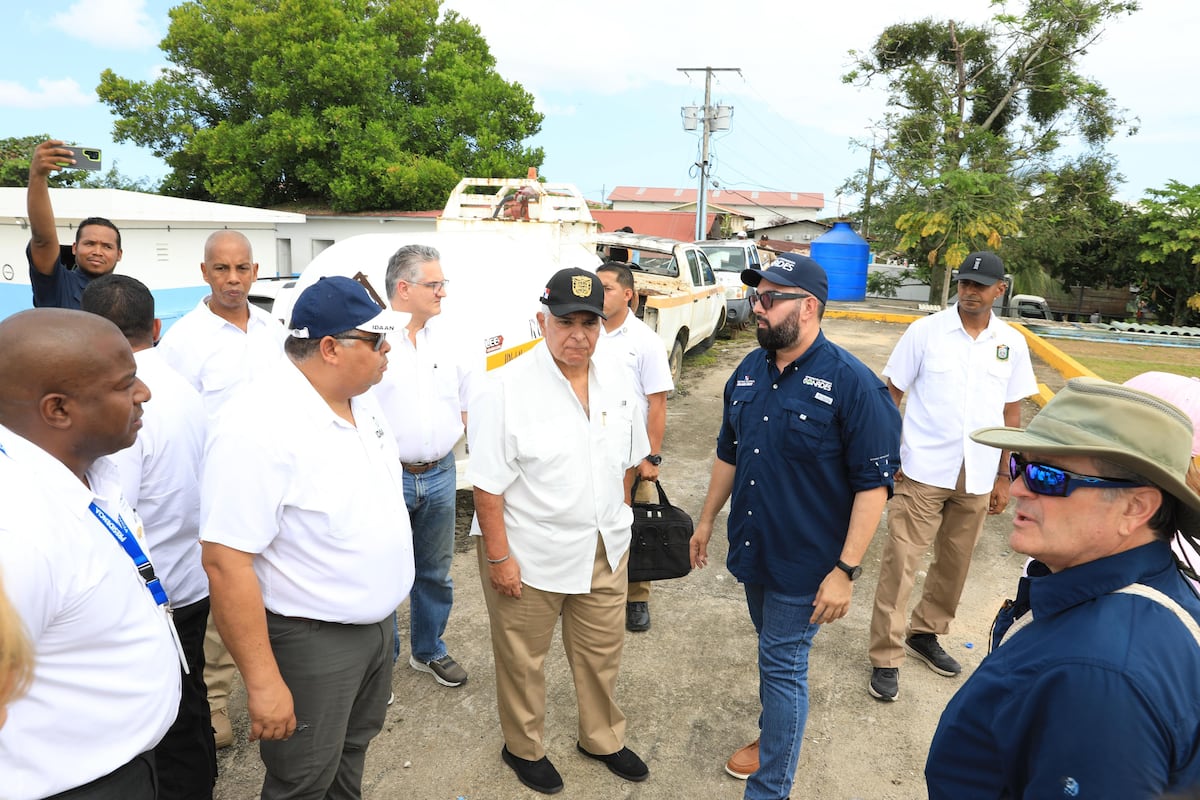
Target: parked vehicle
point(678, 293)
point(728, 258)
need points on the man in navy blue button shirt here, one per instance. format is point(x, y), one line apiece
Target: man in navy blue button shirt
point(1090, 687)
point(808, 444)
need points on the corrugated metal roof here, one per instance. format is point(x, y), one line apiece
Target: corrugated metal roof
point(119, 206)
point(651, 194)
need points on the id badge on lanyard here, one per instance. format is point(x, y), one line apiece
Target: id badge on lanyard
point(124, 536)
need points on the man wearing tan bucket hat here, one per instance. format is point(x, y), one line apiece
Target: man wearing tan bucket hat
point(1093, 693)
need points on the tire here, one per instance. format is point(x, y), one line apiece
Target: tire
point(675, 361)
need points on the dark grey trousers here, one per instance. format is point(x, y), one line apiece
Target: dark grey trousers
point(340, 677)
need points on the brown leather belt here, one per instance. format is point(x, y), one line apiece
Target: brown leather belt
point(419, 468)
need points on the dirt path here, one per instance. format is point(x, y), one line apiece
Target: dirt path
point(689, 685)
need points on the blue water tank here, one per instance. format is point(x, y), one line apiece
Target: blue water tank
point(844, 255)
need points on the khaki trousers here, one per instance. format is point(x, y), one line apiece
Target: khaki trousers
point(593, 633)
point(218, 668)
point(918, 515)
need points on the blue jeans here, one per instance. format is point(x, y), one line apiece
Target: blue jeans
point(430, 498)
point(785, 636)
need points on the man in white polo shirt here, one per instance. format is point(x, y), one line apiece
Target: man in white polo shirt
point(630, 341)
point(424, 394)
point(553, 438)
point(106, 682)
point(160, 478)
point(962, 369)
point(219, 345)
point(307, 544)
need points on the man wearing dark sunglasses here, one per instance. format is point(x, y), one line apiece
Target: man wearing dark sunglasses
point(806, 453)
point(307, 545)
point(961, 369)
point(1093, 692)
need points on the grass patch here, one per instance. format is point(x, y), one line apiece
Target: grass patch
point(1120, 362)
point(700, 358)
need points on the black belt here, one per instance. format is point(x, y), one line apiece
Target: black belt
point(419, 467)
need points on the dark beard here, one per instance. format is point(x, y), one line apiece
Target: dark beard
point(781, 336)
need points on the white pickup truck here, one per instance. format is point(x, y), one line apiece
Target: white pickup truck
point(678, 293)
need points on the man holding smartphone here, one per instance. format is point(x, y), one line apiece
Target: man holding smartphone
point(97, 247)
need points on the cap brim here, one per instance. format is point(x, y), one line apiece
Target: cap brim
point(982, 280)
point(1021, 441)
point(570, 308)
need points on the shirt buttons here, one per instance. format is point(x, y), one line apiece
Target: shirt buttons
point(756, 451)
point(747, 543)
point(749, 513)
point(752, 481)
point(765, 419)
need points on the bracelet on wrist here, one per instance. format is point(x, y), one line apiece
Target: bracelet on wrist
point(499, 560)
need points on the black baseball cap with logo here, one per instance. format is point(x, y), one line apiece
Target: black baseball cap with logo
point(574, 289)
point(981, 267)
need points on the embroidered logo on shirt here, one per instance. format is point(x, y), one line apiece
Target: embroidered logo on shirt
point(824, 398)
point(1002, 352)
point(746, 381)
point(820, 383)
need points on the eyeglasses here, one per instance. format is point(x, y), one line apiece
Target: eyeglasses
point(376, 339)
point(437, 286)
point(767, 299)
point(1051, 481)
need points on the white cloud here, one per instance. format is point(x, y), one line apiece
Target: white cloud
point(60, 93)
point(112, 24)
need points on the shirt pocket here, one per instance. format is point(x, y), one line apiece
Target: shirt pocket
point(741, 397)
point(999, 373)
point(810, 426)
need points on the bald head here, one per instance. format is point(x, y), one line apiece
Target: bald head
point(221, 239)
point(68, 383)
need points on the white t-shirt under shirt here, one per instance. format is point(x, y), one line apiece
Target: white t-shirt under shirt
point(954, 385)
point(107, 680)
point(318, 500)
point(559, 470)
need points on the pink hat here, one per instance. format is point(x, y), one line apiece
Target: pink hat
point(1178, 390)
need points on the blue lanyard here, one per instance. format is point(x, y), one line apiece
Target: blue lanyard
point(120, 531)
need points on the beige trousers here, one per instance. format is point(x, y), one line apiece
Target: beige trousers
point(919, 515)
point(218, 668)
point(593, 633)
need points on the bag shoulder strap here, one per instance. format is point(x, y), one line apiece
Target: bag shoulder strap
point(1150, 593)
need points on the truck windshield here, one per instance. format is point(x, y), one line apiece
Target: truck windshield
point(726, 259)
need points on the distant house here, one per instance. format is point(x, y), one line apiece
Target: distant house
point(679, 225)
point(762, 207)
point(792, 235)
point(162, 239)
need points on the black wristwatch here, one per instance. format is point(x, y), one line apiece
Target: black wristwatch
point(655, 459)
point(851, 572)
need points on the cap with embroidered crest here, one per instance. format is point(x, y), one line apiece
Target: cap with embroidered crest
point(574, 289)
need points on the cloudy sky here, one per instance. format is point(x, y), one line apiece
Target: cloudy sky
point(607, 78)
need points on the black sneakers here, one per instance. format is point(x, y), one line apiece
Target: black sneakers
point(925, 647)
point(885, 683)
point(540, 775)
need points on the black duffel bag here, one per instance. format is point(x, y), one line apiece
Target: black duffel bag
point(662, 534)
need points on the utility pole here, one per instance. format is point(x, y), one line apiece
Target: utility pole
point(708, 119)
point(866, 222)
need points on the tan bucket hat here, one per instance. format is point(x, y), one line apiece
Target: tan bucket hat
point(1093, 417)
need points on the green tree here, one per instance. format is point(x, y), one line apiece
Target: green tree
point(356, 103)
point(973, 111)
point(1170, 273)
point(16, 152)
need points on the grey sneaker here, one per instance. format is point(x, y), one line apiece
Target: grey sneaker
point(885, 683)
point(445, 670)
point(926, 648)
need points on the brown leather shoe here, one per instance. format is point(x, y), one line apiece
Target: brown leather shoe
point(222, 730)
point(743, 763)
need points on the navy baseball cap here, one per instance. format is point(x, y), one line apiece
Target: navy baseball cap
point(574, 290)
point(792, 269)
point(981, 267)
point(336, 304)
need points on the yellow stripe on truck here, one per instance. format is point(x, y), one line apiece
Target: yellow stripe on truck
point(668, 301)
point(504, 356)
